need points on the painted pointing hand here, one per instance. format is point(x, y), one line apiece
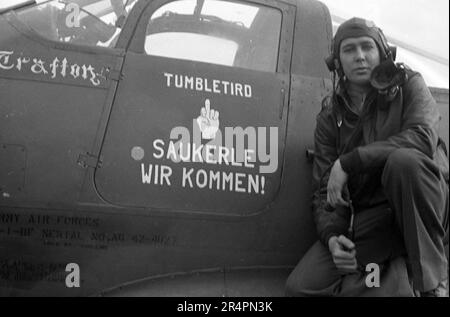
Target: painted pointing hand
point(208, 121)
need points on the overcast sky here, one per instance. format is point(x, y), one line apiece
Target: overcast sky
point(423, 24)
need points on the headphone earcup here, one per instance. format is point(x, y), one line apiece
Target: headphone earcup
point(330, 63)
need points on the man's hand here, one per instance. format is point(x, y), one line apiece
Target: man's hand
point(336, 182)
point(344, 254)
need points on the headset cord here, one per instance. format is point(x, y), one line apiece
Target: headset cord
point(329, 208)
point(351, 230)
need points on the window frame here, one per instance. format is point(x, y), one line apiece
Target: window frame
point(137, 43)
point(119, 49)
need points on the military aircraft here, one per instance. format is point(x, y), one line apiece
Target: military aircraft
point(159, 148)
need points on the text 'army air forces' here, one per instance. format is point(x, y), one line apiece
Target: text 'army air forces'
point(220, 149)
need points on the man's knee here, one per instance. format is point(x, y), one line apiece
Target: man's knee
point(403, 162)
point(314, 275)
point(296, 284)
point(293, 286)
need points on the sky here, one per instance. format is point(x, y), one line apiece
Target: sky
point(423, 25)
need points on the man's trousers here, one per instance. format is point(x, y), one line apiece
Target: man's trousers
point(414, 220)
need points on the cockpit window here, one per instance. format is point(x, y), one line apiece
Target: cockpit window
point(219, 32)
point(86, 22)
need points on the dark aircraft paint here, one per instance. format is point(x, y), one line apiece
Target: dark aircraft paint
point(79, 165)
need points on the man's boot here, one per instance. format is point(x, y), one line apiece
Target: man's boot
point(440, 291)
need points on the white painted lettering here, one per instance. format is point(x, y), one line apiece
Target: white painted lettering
point(4, 60)
point(207, 88)
point(214, 177)
point(146, 177)
point(248, 91)
point(198, 84)
point(178, 81)
point(54, 67)
point(75, 71)
point(64, 66)
point(166, 172)
point(216, 88)
point(158, 146)
point(225, 86)
point(253, 184)
point(249, 157)
point(38, 67)
point(189, 82)
point(201, 179)
point(21, 61)
point(187, 177)
point(238, 183)
point(239, 90)
point(210, 156)
point(169, 78)
point(227, 178)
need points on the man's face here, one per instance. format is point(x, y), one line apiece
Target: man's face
point(359, 56)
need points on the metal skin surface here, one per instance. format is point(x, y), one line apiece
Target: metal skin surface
point(72, 150)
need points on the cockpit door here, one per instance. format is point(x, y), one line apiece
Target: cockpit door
point(199, 119)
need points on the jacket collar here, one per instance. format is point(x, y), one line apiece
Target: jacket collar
point(345, 102)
